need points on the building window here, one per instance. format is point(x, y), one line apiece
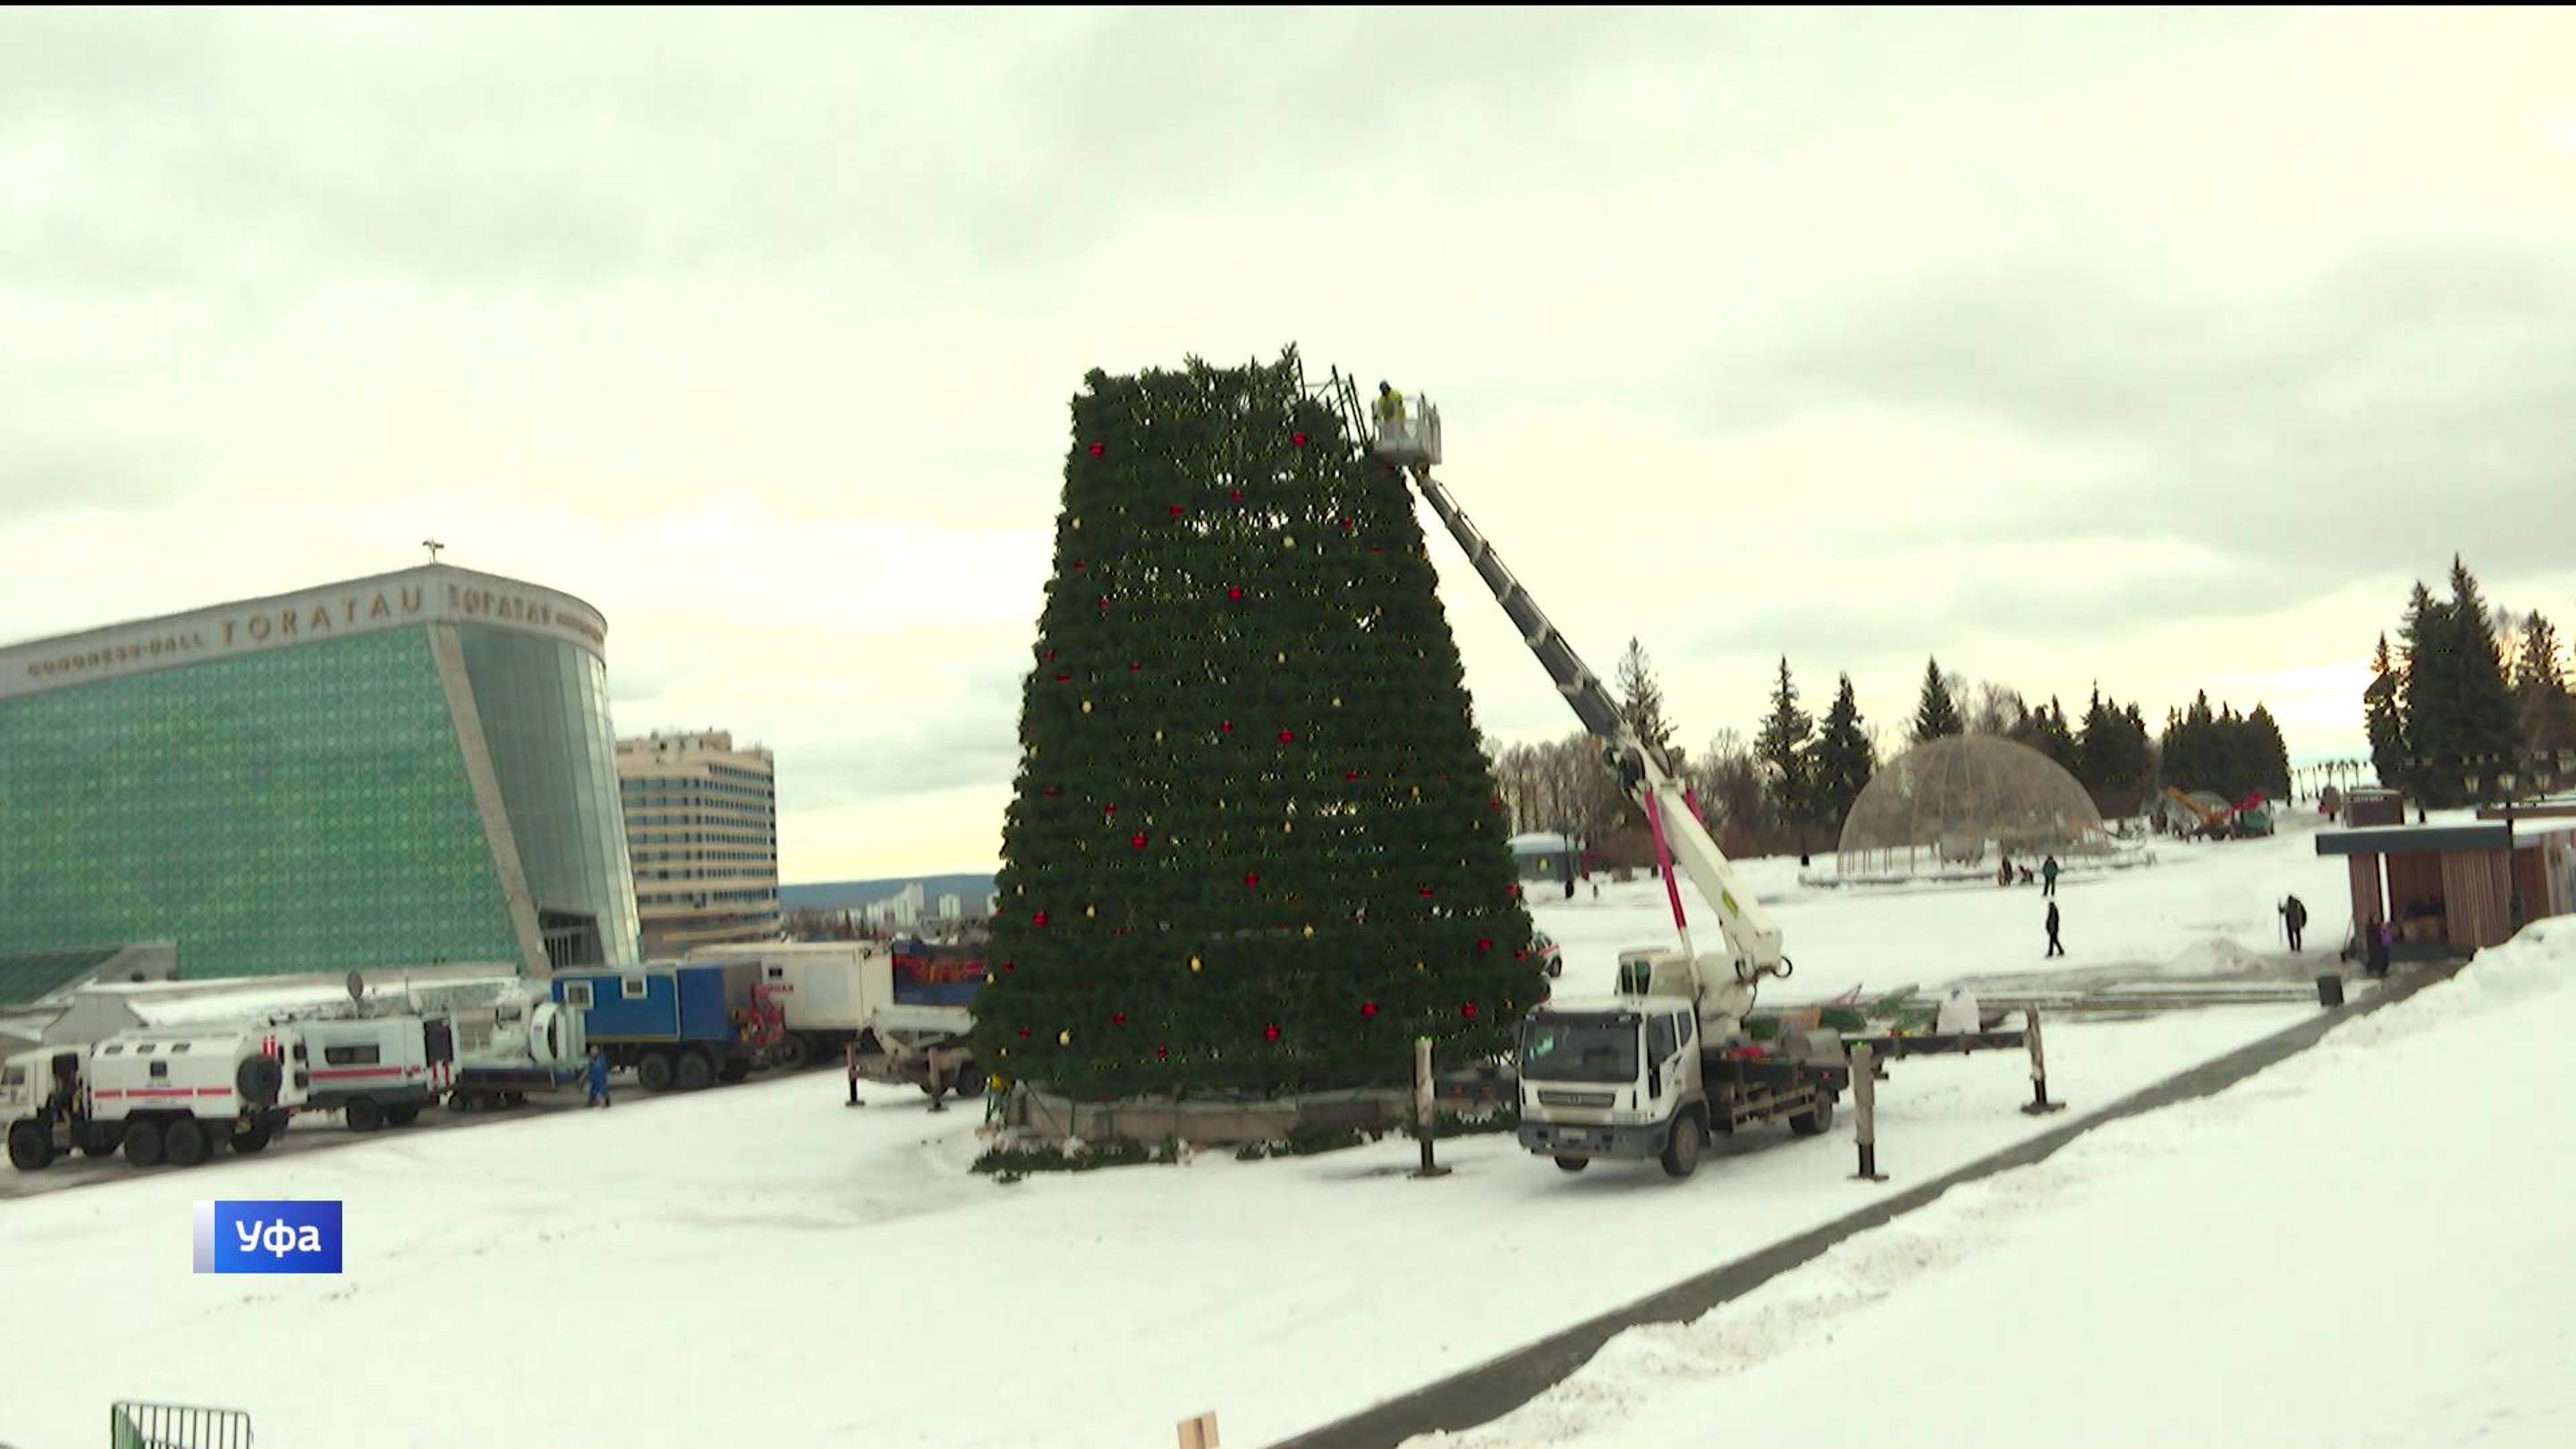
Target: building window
point(352, 1056)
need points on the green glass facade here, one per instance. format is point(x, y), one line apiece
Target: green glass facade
point(544, 706)
point(309, 806)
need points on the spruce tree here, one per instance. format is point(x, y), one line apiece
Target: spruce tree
point(1782, 746)
point(1253, 842)
point(1937, 714)
point(2053, 736)
point(2491, 734)
point(1642, 699)
point(1843, 758)
point(2384, 717)
point(2267, 753)
point(2536, 671)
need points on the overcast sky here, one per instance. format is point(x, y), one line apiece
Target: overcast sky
point(2163, 349)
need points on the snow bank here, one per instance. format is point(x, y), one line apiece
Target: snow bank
point(2210, 1273)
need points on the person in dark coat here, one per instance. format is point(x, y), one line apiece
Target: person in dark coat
point(2054, 948)
point(2294, 915)
point(2374, 949)
point(594, 1077)
point(2048, 876)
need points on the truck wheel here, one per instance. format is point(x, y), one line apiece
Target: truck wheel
point(259, 1080)
point(791, 1053)
point(694, 1072)
point(101, 1139)
point(734, 1070)
point(1681, 1150)
point(252, 1139)
point(653, 1073)
point(365, 1115)
point(403, 1115)
point(31, 1148)
point(970, 1082)
point(185, 1143)
point(143, 1144)
point(1572, 1164)
point(1816, 1119)
point(463, 1101)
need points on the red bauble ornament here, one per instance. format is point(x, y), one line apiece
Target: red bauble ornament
point(1038, 920)
point(1426, 892)
point(1512, 892)
point(1235, 592)
point(1133, 666)
point(1494, 804)
point(1079, 565)
point(1287, 737)
point(1104, 606)
point(1467, 1009)
point(1521, 954)
point(1238, 495)
point(1297, 440)
point(1119, 1019)
point(1162, 1052)
point(1100, 450)
point(1010, 965)
point(1483, 944)
point(1270, 1032)
point(1251, 879)
point(1348, 525)
point(1350, 774)
point(1226, 726)
point(1050, 654)
point(1109, 809)
point(1368, 1008)
point(1176, 510)
point(1137, 840)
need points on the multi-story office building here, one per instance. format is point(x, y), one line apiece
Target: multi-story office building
point(702, 825)
point(412, 769)
point(952, 907)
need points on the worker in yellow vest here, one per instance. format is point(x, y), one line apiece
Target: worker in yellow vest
point(1390, 406)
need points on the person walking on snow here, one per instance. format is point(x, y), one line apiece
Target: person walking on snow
point(2294, 915)
point(594, 1077)
point(2048, 876)
point(2054, 949)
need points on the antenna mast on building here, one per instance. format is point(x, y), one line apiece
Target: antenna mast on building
point(433, 545)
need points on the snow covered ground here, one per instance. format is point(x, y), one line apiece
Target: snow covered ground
point(760, 1263)
point(2366, 1244)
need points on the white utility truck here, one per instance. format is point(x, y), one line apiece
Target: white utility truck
point(379, 1070)
point(1653, 1068)
point(170, 1096)
point(899, 1012)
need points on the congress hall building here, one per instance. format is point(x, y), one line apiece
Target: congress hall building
point(407, 770)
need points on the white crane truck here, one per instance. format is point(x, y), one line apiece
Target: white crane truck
point(1652, 1069)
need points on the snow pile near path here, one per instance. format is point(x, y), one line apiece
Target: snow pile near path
point(2209, 1273)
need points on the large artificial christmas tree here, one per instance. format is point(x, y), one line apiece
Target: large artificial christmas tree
point(1254, 844)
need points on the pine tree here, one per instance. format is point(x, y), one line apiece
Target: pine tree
point(2491, 727)
point(2427, 692)
point(2384, 717)
point(2536, 670)
point(1843, 757)
point(1782, 746)
point(1642, 699)
point(2267, 754)
point(1937, 714)
point(1253, 843)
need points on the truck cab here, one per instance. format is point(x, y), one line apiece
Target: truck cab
point(1646, 1074)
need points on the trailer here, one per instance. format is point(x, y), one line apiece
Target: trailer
point(169, 1096)
point(507, 1051)
point(684, 1025)
point(379, 1070)
point(899, 1012)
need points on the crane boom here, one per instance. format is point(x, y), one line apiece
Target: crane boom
point(1752, 938)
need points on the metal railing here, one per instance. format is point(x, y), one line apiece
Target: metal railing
point(176, 1426)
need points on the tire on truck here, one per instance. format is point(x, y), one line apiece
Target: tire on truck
point(259, 1079)
point(365, 1115)
point(653, 1073)
point(31, 1147)
point(1817, 1119)
point(143, 1143)
point(694, 1072)
point(253, 1138)
point(184, 1142)
point(970, 1081)
point(402, 1114)
point(1681, 1149)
